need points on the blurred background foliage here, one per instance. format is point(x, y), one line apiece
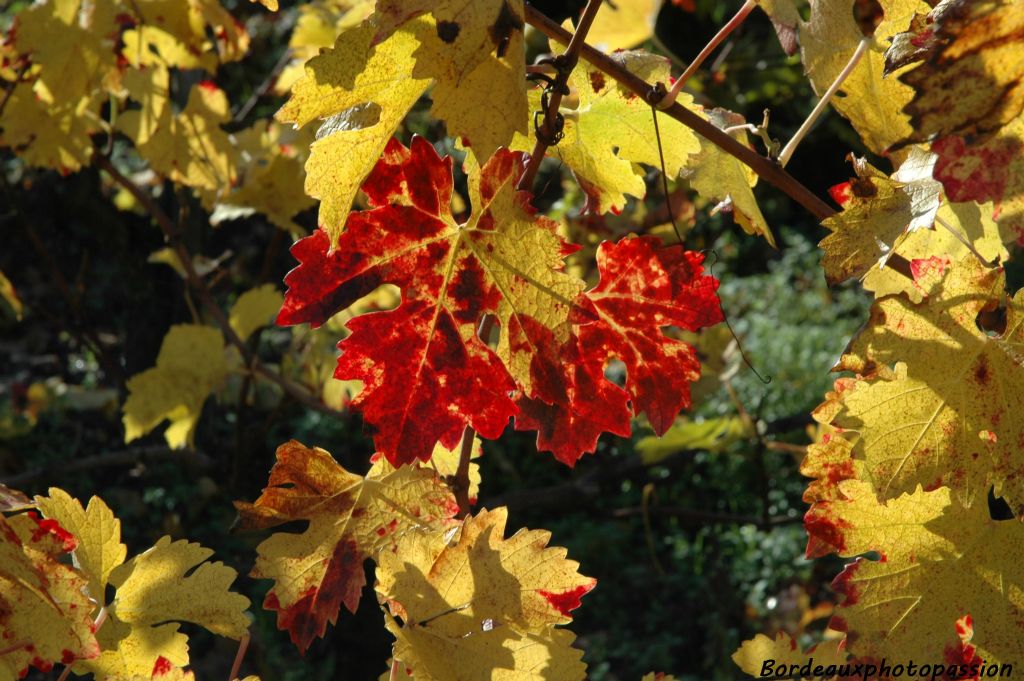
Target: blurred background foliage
point(695, 539)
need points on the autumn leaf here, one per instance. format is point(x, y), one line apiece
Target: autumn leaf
point(190, 365)
point(971, 220)
point(188, 147)
point(187, 35)
point(270, 177)
point(623, 25)
point(351, 517)
point(968, 93)
point(426, 372)
point(873, 104)
point(170, 583)
point(643, 288)
point(318, 26)
point(51, 136)
point(475, 52)
point(255, 309)
point(878, 212)
point(722, 178)
point(782, 652)
point(360, 91)
point(947, 412)
point(611, 131)
point(482, 606)
point(45, 612)
point(908, 604)
point(98, 534)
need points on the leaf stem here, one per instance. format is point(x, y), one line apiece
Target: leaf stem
point(805, 127)
point(566, 63)
point(243, 645)
point(723, 33)
point(765, 168)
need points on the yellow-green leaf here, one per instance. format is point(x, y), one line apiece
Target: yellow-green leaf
point(190, 365)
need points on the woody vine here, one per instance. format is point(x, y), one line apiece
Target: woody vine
point(466, 312)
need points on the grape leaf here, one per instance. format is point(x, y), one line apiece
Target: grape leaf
point(643, 288)
point(361, 90)
point(426, 372)
point(611, 131)
point(877, 214)
point(934, 556)
point(255, 309)
point(190, 365)
point(721, 177)
point(972, 220)
point(188, 35)
point(949, 412)
point(316, 29)
point(50, 136)
point(350, 519)
point(623, 25)
point(784, 652)
point(270, 177)
point(482, 606)
point(475, 53)
point(97, 531)
point(44, 609)
point(169, 583)
point(189, 147)
point(969, 93)
point(873, 104)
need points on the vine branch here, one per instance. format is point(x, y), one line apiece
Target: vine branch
point(765, 168)
point(564, 65)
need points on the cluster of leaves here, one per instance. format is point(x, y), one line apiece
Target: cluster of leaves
point(498, 318)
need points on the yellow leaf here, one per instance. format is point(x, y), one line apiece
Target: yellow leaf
point(921, 599)
point(474, 51)
point(761, 656)
point(950, 411)
point(482, 606)
point(317, 28)
point(612, 131)
point(712, 435)
point(188, 147)
point(190, 365)
point(171, 582)
point(446, 463)
point(972, 220)
point(98, 532)
point(873, 104)
point(255, 309)
point(720, 177)
point(350, 519)
point(270, 177)
point(10, 295)
point(56, 136)
point(361, 91)
point(44, 610)
point(73, 66)
point(269, 4)
point(178, 33)
point(624, 24)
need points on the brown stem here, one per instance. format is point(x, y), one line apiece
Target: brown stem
point(196, 283)
point(565, 65)
point(243, 645)
point(764, 167)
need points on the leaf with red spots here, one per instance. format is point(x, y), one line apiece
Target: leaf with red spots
point(350, 518)
point(427, 374)
point(45, 612)
point(481, 603)
point(944, 570)
point(644, 288)
point(783, 652)
point(948, 412)
point(969, 98)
